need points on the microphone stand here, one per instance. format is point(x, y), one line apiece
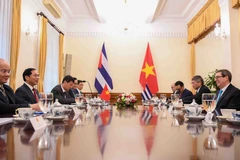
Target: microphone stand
point(89, 87)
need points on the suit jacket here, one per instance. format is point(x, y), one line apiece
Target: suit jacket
point(63, 97)
point(72, 93)
point(25, 95)
point(230, 99)
point(185, 93)
point(9, 106)
point(197, 96)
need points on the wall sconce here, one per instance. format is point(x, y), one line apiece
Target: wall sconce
point(32, 29)
point(219, 32)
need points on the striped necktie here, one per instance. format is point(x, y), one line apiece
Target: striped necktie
point(3, 92)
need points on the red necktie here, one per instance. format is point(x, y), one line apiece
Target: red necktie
point(35, 94)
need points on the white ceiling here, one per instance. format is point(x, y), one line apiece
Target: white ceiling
point(155, 15)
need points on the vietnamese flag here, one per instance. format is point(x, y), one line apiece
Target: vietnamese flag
point(148, 73)
point(105, 95)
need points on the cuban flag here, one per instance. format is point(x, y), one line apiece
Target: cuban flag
point(103, 76)
point(146, 93)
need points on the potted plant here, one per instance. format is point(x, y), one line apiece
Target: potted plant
point(210, 81)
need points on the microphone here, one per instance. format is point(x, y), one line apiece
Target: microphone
point(88, 85)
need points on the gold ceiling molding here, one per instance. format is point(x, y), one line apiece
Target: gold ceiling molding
point(203, 21)
point(235, 3)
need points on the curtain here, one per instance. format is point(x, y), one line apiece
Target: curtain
point(235, 3)
point(5, 28)
point(52, 59)
point(206, 18)
point(192, 63)
point(60, 69)
point(15, 41)
point(42, 53)
point(193, 60)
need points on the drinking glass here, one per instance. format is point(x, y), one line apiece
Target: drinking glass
point(45, 101)
point(163, 98)
point(209, 101)
point(77, 99)
point(175, 99)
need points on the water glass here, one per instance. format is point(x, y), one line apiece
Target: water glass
point(77, 99)
point(175, 99)
point(163, 98)
point(45, 101)
point(209, 101)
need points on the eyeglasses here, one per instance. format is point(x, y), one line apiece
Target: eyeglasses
point(4, 71)
point(217, 77)
point(36, 75)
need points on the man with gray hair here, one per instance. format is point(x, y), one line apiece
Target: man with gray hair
point(228, 97)
point(198, 85)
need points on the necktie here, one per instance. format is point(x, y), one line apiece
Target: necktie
point(3, 92)
point(219, 95)
point(35, 94)
point(64, 95)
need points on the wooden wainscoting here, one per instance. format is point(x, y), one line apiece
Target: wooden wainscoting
point(114, 96)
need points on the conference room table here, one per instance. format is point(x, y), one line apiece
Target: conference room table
point(109, 134)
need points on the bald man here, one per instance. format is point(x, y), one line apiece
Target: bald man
point(7, 98)
point(173, 88)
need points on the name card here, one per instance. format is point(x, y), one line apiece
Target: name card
point(36, 123)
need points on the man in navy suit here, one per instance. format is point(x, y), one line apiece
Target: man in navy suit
point(228, 97)
point(73, 90)
point(8, 99)
point(183, 92)
point(198, 85)
point(27, 93)
point(80, 87)
point(61, 91)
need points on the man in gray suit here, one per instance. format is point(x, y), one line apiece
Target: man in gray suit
point(27, 93)
point(61, 91)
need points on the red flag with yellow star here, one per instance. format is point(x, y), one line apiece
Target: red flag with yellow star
point(105, 95)
point(148, 73)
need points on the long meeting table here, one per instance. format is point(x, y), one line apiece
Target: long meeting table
point(109, 134)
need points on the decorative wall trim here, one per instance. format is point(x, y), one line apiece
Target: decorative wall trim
point(97, 34)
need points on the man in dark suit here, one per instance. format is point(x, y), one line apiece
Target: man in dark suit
point(27, 93)
point(61, 91)
point(7, 97)
point(73, 90)
point(228, 97)
point(183, 92)
point(198, 85)
point(80, 87)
